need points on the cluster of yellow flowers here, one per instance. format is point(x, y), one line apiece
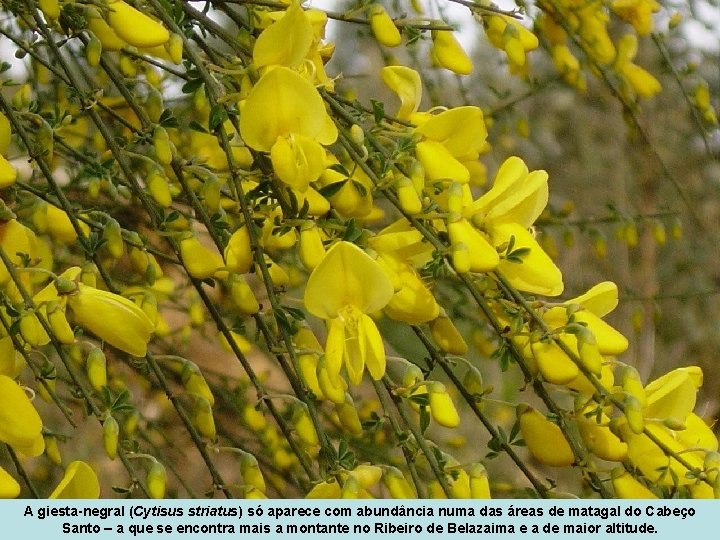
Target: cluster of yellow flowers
point(271, 182)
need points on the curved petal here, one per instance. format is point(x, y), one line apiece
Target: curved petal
point(347, 276)
point(524, 203)
point(510, 172)
point(20, 424)
point(537, 272)
point(671, 396)
point(461, 130)
point(9, 488)
point(406, 84)
point(286, 42)
point(610, 342)
point(373, 345)
point(283, 102)
point(79, 482)
point(600, 299)
point(439, 163)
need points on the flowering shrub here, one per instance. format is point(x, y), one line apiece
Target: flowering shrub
point(184, 186)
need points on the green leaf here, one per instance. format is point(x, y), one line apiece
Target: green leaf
point(378, 108)
point(195, 125)
point(332, 189)
point(218, 114)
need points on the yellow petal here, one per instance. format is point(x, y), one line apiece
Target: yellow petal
point(553, 363)
point(609, 341)
point(135, 27)
point(671, 396)
point(9, 488)
point(537, 273)
point(439, 163)
point(286, 42)
point(522, 204)
point(20, 424)
point(334, 347)
point(598, 437)
point(383, 27)
point(544, 439)
point(483, 256)
point(600, 299)
point(347, 276)
point(8, 174)
point(461, 130)
point(373, 348)
point(79, 482)
point(697, 434)
point(406, 84)
point(297, 161)
point(113, 318)
point(449, 52)
point(282, 103)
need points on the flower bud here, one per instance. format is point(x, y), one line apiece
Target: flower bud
point(479, 483)
point(174, 48)
point(447, 336)
point(203, 419)
point(112, 234)
point(348, 416)
point(156, 480)
point(312, 250)
point(32, 330)
point(253, 418)
point(472, 381)
point(251, 473)
point(111, 434)
point(242, 296)
point(93, 51)
point(199, 261)
point(632, 385)
point(52, 450)
point(96, 368)
point(442, 408)
point(303, 425)
point(397, 484)
point(158, 187)
point(634, 414)
point(383, 27)
point(544, 439)
point(238, 252)
point(162, 146)
point(194, 382)
point(449, 53)
point(59, 325)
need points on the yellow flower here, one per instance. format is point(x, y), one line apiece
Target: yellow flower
point(505, 212)
point(79, 482)
point(507, 34)
point(285, 115)
point(448, 139)
point(636, 79)
point(637, 12)
point(343, 289)
point(112, 318)
point(20, 424)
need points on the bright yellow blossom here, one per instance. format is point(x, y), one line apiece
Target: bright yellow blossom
point(343, 289)
point(285, 115)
